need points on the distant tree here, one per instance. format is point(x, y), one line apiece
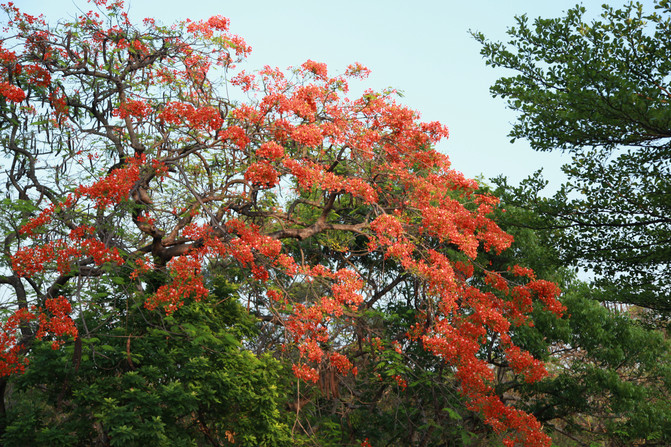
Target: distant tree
point(599, 91)
point(134, 185)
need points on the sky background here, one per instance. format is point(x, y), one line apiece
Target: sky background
point(422, 48)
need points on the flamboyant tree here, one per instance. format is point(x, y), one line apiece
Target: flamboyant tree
point(130, 169)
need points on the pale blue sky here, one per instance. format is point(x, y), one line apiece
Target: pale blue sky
point(421, 47)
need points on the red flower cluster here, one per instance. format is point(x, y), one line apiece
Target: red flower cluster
point(304, 372)
point(235, 134)
point(134, 108)
point(12, 92)
point(203, 118)
point(11, 360)
point(59, 324)
point(262, 174)
point(270, 150)
point(187, 281)
point(116, 186)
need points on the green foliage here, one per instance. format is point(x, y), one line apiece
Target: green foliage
point(599, 91)
point(148, 379)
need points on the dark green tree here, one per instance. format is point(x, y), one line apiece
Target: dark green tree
point(140, 377)
point(610, 376)
point(599, 91)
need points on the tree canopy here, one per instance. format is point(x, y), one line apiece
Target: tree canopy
point(169, 248)
point(599, 90)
